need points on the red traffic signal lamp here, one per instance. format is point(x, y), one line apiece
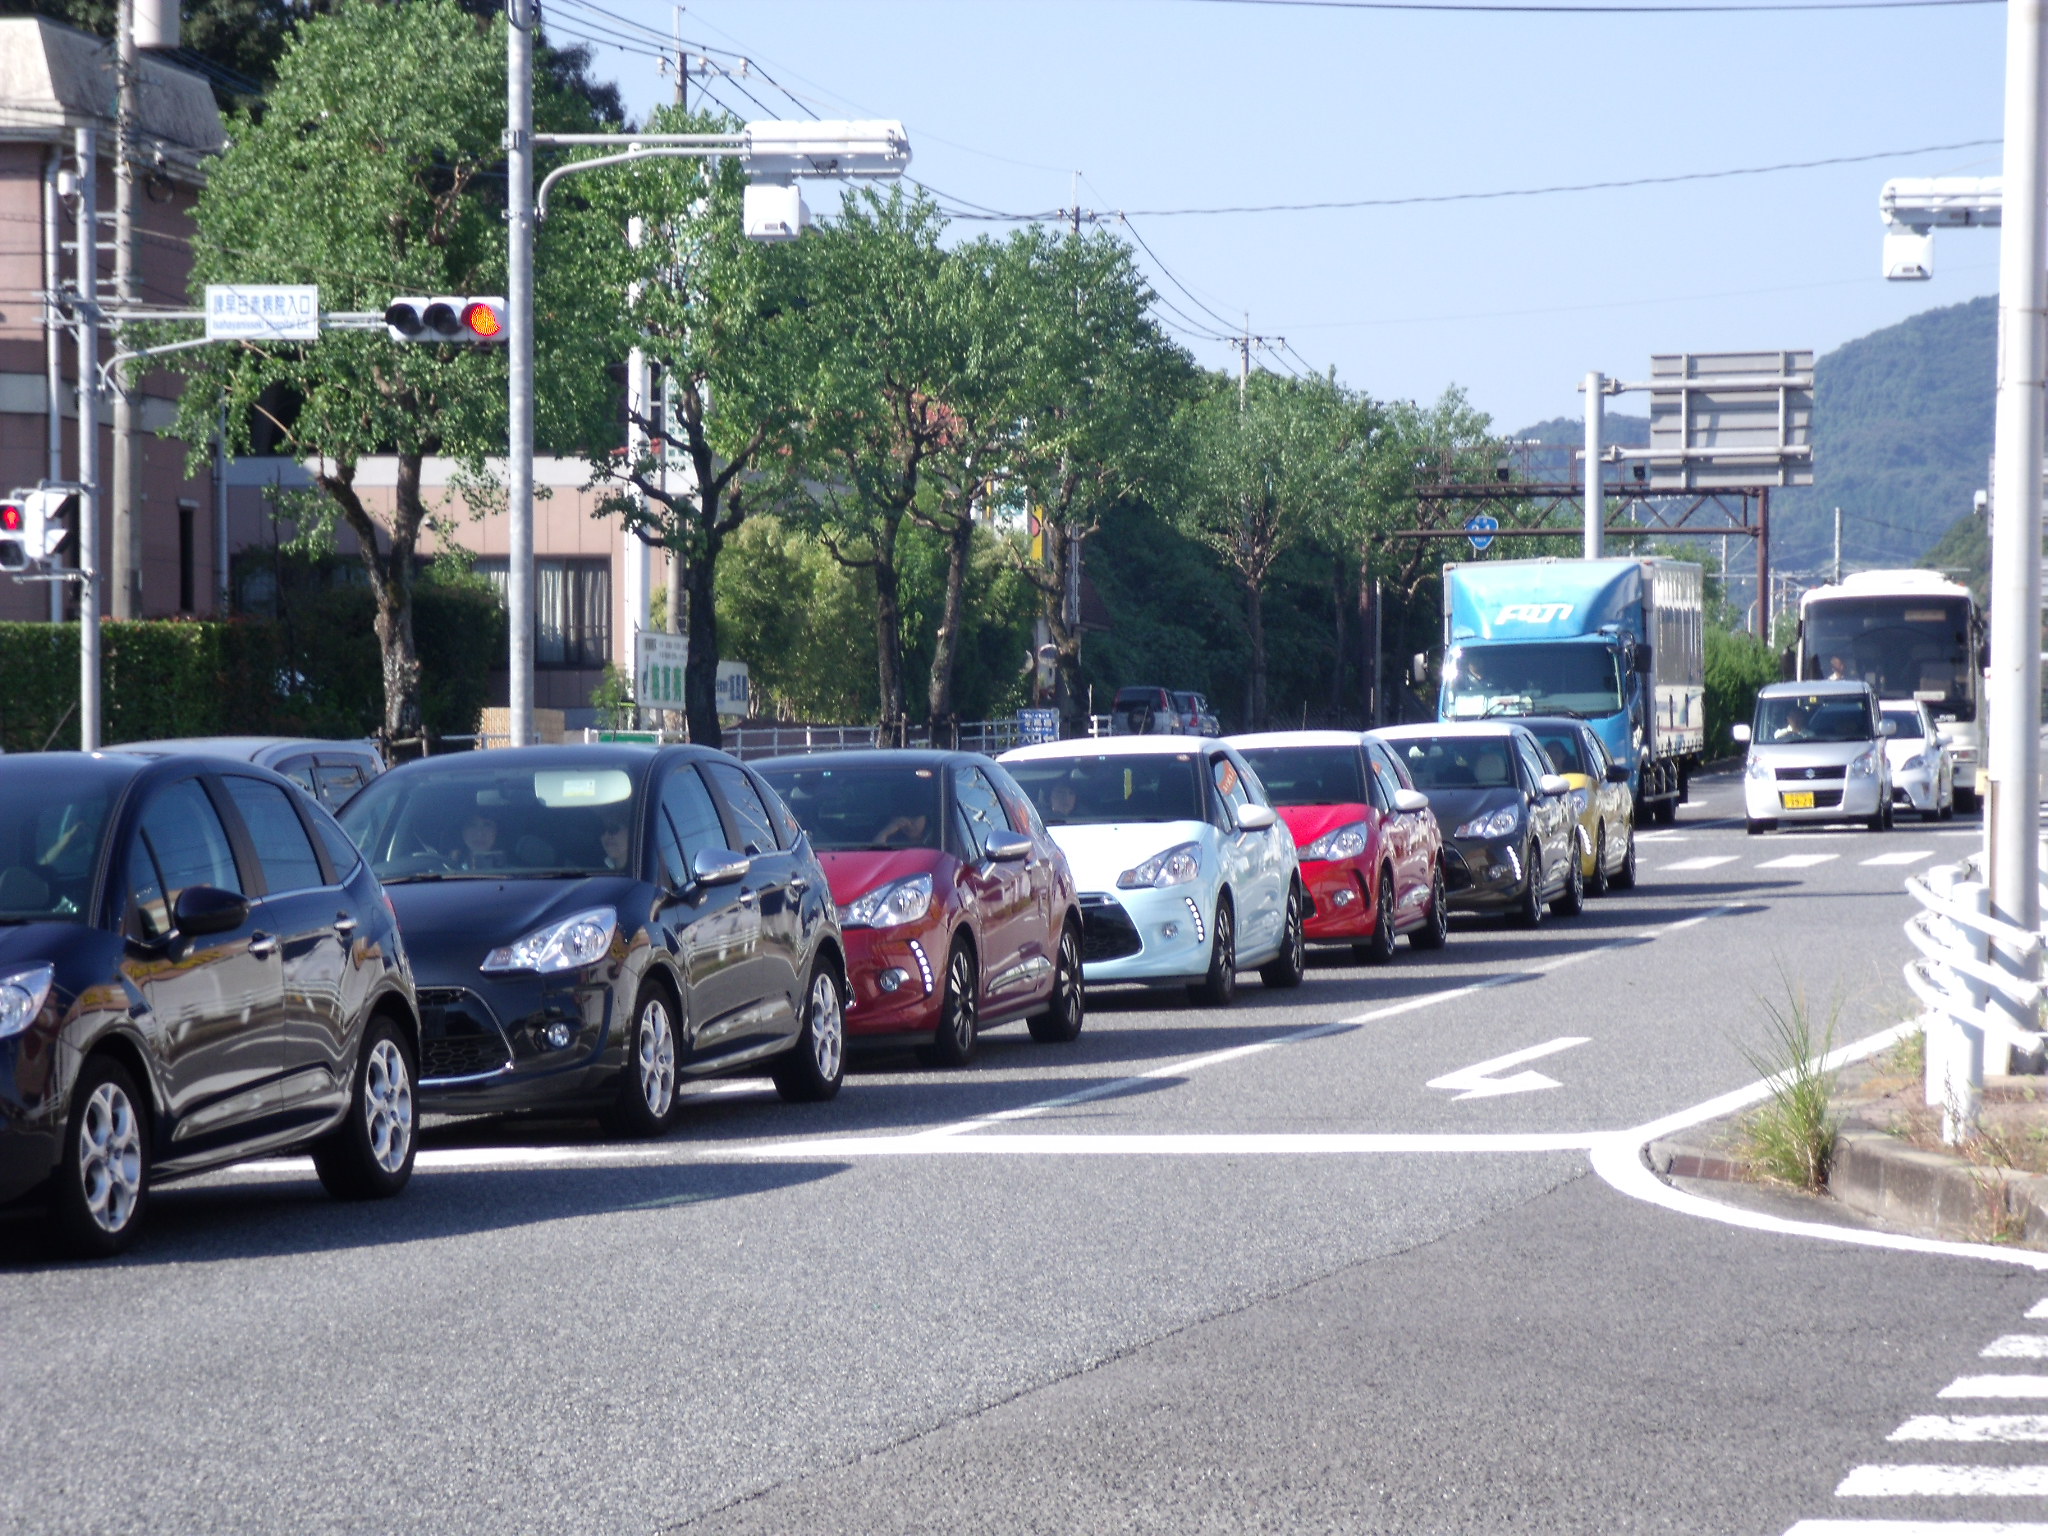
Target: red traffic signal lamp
point(13, 537)
point(450, 317)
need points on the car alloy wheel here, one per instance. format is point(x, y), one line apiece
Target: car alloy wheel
point(811, 1070)
point(1379, 949)
point(1219, 987)
point(387, 1106)
point(369, 1155)
point(656, 1052)
point(1529, 912)
point(1596, 883)
point(1287, 968)
point(1061, 1020)
point(1572, 899)
point(959, 1008)
point(1625, 875)
point(1434, 933)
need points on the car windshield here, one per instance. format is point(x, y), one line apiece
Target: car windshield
point(1125, 786)
point(475, 822)
point(1531, 680)
point(1310, 775)
point(1567, 754)
point(1812, 717)
point(1905, 724)
point(1905, 647)
point(51, 827)
point(853, 808)
point(1458, 762)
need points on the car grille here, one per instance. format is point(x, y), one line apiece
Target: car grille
point(1107, 932)
point(1835, 771)
point(458, 1036)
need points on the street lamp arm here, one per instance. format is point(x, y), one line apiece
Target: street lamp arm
point(107, 368)
point(638, 152)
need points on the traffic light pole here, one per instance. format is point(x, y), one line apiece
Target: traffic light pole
point(521, 19)
point(86, 147)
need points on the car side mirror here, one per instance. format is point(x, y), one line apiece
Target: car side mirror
point(1007, 847)
point(1409, 801)
point(1888, 728)
point(719, 866)
point(204, 909)
point(1740, 731)
point(1552, 785)
point(1255, 818)
point(1617, 773)
point(1418, 668)
point(1640, 658)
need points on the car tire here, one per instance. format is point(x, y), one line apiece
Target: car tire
point(1948, 807)
point(811, 1070)
point(1624, 876)
point(1061, 1019)
point(101, 1186)
point(959, 1030)
point(1379, 948)
point(1757, 826)
point(1437, 930)
point(1571, 901)
point(1218, 989)
point(369, 1155)
point(1878, 820)
point(1596, 883)
point(647, 1102)
point(1288, 967)
point(1528, 912)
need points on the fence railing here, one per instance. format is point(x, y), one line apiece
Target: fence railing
point(1974, 1005)
point(758, 741)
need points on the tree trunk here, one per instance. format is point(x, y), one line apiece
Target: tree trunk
point(946, 647)
point(390, 572)
point(700, 670)
point(1068, 691)
point(889, 635)
point(1255, 622)
point(1340, 660)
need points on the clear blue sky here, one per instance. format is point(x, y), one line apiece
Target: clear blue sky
point(1173, 103)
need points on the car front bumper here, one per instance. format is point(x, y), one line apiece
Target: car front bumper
point(1343, 904)
point(1498, 879)
point(489, 1043)
point(36, 1074)
point(914, 958)
point(1849, 799)
point(1154, 935)
point(1919, 788)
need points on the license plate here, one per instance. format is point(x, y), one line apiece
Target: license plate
point(1797, 799)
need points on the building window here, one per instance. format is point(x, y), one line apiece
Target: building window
point(572, 609)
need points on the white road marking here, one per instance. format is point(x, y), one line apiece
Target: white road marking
point(1944, 1482)
point(1904, 856)
point(1478, 1082)
point(1705, 861)
point(1918, 1528)
point(1975, 1429)
point(1996, 1386)
point(2017, 1346)
point(1662, 837)
point(2038, 1310)
point(1091, 1144)
point(1799, 861)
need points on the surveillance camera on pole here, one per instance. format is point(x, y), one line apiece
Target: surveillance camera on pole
point(448, 317)
point(1914, 207)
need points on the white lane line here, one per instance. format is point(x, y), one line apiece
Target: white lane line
point(1662, 837)
point(1976, 1429)
point(2017, 1346)
point(1918, 1528)
point(2038, 1311)
point(1996, 1386)
point(1944, 1482)
point(1799, 861)
point(1904, 856)
point(1478, 1082)
point(1091, 1144)
point(1705, 861)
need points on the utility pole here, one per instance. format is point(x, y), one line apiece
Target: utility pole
point(86, 150)
point(682, 63)
point(1596, 497)
point(127, 528)
point(2012, 819)
point(1838, 546)
point(1245, 345)
point(53, 337)
point(521, 20)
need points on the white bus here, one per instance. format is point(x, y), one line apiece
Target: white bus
point(1910, 635)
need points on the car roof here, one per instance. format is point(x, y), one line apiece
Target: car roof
point(1902, 703)
point(1296, 739)
point(1436, 729)
point(245, 748)
point(865, 757)
point(1111, 746)
point(1844, 686)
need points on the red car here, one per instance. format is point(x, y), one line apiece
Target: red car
point(1370, 849)
point(957, 908)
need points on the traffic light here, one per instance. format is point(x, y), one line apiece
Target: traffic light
point(13, 537)
point(447, 317)
point(32, 527)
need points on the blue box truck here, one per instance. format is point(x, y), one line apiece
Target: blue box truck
point(1619, 642)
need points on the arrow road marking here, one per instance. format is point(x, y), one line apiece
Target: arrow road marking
point(1480, 1083)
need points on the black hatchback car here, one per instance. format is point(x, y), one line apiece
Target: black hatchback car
point(590, 925)
point(196, 966)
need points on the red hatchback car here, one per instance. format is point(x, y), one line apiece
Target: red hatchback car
point(1370, 849)
point(958, 909)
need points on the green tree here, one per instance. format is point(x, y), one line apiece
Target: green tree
point(375, 168)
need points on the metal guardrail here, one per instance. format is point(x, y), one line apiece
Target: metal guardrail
point(1957, 977)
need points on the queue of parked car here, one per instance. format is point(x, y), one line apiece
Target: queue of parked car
point(200, 964)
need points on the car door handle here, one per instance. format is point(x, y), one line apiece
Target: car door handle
point(799, 884)
point(746, 897)
point(262, 945)
point(344, 924)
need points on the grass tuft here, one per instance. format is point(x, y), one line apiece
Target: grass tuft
point(1908, 1058)
point(1790, 1137)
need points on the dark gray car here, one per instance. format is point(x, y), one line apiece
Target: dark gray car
point(330, 771)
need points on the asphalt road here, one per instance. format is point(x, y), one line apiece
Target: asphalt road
point(1199, 1271)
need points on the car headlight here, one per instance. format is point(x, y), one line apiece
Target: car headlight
point(1757, 768)
point(22, 996)
point(1176, 866)
point(886, 906)
point(1914, 763)
point(1339, 843)
point(573, 942)
point(1866, 765)
point(1493, 824)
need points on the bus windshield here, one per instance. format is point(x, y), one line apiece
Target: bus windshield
point(1578, 678)
point(1904, 647)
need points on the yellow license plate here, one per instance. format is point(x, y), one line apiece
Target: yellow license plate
point(1797, 800)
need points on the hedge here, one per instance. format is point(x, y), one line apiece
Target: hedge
point(1737, 665)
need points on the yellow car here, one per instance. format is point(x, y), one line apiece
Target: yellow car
point(1600, 795)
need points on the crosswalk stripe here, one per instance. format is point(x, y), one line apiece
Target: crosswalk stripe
point(1903, 856)
point(2038, 1311)
point(1940, 1481)
point(1707, 862)
point(1798, 861)
point(1996, 1386)
point(2017, 1346)
point(1975, 1429)
point(1918, 1528)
